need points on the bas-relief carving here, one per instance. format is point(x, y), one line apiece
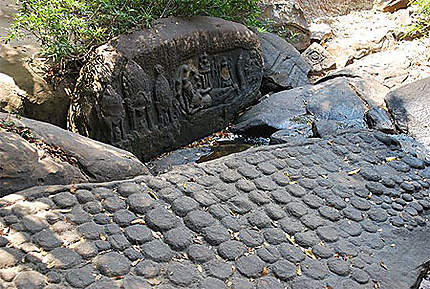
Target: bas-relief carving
point(112, 114)
point(152, 105)
point(216, 80)
point(138, 98)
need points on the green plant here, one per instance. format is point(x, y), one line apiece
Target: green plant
point(67, 29)
point(421, 25)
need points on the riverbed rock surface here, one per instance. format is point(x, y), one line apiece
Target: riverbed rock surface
point(340, 212)
point(33, 153)
point(409, 106)
point(156, 90)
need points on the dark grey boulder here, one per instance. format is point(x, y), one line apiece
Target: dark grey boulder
point(329, 107)
point(158, 89)
point(409, 107)
point(34, 153)
point(284, 67)
point(336, 106)
point(378, 118)
point(282, 110)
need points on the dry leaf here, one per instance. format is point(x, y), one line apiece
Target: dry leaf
point(51, 264)
point(102, 237)
point(291, 239)
point(73, 189)
point(265, 271)
point(138, 221)
point(154, 281)
point(299, 270)
point(310, 253)
point(383, 265)
point(199, 267)
point(152, 194)
point(354, 172)
point(389, 159)
point(293, 182)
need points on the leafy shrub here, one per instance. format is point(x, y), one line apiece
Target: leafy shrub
point(421, 25)
point(67, 29)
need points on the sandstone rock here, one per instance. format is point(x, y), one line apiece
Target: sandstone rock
point(392, 68)
point(320, 8)
point(409, 106)
point(284, 68)
point(319, 58)
point(287, 19)
point(330, 107)
point(391, 5)
point(359, 34)
point(320, 32)
point(161, 88)
point(38, 99)
point(10, 95)
point(278, 111)
point(370, 90)
point(378, 118)
point(336, 107)
point(35, 153)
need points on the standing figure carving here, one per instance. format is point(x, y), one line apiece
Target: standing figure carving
point(138, 97)
point(241, 64)
point(163, 96)
point(112, 113)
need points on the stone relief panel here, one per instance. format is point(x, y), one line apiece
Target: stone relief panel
point(154, 101)
point(158, 89)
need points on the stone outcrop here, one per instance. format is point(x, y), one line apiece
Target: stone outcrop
point(284, 68)
point(278, 111)
point(391, 5)
point(409, 106)
point(287, 19)
point(158, 89)
point(10, 95)
point(33, 153)
point(336, 103)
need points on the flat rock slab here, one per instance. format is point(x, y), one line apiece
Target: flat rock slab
point(158, 89)
point(409, 106)
point(276, 112)
point(331, 106)
point(345, 212)
point(34, 153)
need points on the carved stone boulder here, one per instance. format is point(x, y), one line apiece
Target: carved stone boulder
point(161, 88)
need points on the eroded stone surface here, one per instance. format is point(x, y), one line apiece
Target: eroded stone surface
point(161, 88)
point(341, 212)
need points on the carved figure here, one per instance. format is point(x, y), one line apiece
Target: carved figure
point(228, 87)
point(190, 90)
point(163, 96)
point(241, 63)
point(112, 113)
point(138, 97)
point(251, 66)
point(205, 70)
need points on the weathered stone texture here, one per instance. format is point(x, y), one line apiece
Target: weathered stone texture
point(158, 89)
